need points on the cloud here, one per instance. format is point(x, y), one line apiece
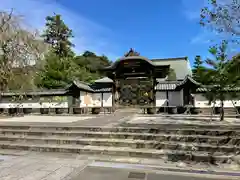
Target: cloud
point(203, 37)
point(88, 35)
point(192, 8)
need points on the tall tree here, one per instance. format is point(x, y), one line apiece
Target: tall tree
point(19, 48)
point(58, 35)
point(58, 67)
point(222, 16)
point(198, 69)
point(89, 65)
point(219, 79)
point(56, 72)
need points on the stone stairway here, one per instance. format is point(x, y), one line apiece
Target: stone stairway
point(205, 143)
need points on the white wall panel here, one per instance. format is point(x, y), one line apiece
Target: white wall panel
point(97, 99)
point(175, 98)
point(107, 99)
point(161, 98)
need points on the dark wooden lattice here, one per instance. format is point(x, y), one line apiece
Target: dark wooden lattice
point(135, 92)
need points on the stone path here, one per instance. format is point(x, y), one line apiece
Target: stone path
point(22, 165)
point(80, 120)
point(46, 119)
point(179, 119)
point(37, 167)
point(115, 119)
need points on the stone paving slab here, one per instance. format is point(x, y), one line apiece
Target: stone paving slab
point(49, 166)
point(38, 167)
point(99, 120)
point(44, 119)
point(179, 120)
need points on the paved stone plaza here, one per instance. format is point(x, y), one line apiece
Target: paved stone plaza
point(24, 165)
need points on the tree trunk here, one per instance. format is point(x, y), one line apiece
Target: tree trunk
point(222, 111)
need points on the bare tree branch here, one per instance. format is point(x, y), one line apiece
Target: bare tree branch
point(19, 47)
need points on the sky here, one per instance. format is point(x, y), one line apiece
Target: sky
point(154, 28)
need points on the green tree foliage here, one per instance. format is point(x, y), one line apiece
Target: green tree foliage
point(61, 66)
point(58, 35)
point(198, 69)
point(222, 16)
point(218, 78)
point(58, 67)
point(89, 65)
point(56, 72)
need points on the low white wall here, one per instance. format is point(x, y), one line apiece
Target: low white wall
point(202, 102)
point(86, 99)
point(34, 105)
point(107, 99)
point(175, 98)
point(161, 98)
point(97, 99)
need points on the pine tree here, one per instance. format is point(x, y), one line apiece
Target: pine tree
point(198, 69)
point(56, 73)
point(58, 35)
point(58, 66)
point(220, 77)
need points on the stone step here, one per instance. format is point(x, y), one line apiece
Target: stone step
point(131, 137)
point(130, 132)
point(133, 143)
point(171, 155)
point(185, 124)
point(132, 128)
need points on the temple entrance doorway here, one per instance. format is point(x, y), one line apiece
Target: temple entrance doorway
point(135, 92)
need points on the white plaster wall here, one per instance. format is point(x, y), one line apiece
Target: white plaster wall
point(35, 105)
point(55, 105)
point(86, 99)
point(19, 105)
point(175, 98)
point(201, 101)
point(97, 99)
point(107, 99)
point(229, 103)
point(161, 98)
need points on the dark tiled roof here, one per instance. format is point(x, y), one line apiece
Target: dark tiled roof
point(82, 85)
point(188, 78)
point(166, 86)
point(91, 87)
point(115, 64)
point(172, 85)
point(104, 80)
point(103, 90)
point(205, 89)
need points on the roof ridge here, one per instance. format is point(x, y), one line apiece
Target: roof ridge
point(166, 59)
